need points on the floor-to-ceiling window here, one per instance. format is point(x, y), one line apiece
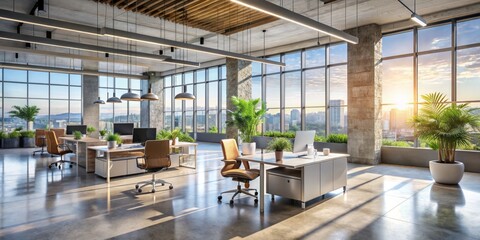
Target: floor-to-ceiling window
point(58, 95)
point(441, 58)
point(127, 111)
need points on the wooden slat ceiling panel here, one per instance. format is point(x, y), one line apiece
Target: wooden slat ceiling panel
point(219, 16)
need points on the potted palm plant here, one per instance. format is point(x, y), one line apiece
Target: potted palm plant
point(246, 116)
point(445, 126)
point(27, 113)
point(279, 145)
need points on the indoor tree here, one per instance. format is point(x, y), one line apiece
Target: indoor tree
point(27, 113)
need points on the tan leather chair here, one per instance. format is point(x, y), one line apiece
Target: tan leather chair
point(232, 170)
point(54, 149)
point(156, 158)
point(40, 141)
point(59, 132)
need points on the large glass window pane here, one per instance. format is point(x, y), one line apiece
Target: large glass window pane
point(189, 121)
point(75, 79)
point(468, 74)
point(338, 53)
point(136, 84)
point(293, 89)
point(37, 91)
point(121, 83)
point(396, 124)
point(37, 77)
point(58, 92)
point(397, 81)
point(41, 120)
point(121, 109)
point(177, 79)
point(177, 120)
point(189, 104)
point(435, 37)
point(273, 93)
point(134, 112)
point(10, 123)
point(106, 111)
point(168, 98)
point(213, 73)
point(167, 81)
point(257, 87)
point(338, 85)
point(315, 87)
point(315, 57)
point(212, 122)
point(76, 93)
point(397, 44)
point(224, 94)
point(59, 78)
point(200, 121)
point(315, 120)
point(293, 61)
point(15, 75)
point(223, 120)
point(468, 32)
point(272, 120)
point(17, 90)
point(178, 103)
point(273, 68)
point(256, 68)
point(223, 71)
point(200, 96)
point(168, 121)
point(104, 83)
point(58, 113)
point(293, 119)
point(434, 74)
point(200, 75)
point(188, 77)
point(213, 95)
point(75, 112)
point(338, 119)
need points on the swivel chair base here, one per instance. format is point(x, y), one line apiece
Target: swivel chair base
point(60, 163)
point(239, 190)
point(41, 151)
point(154, 182)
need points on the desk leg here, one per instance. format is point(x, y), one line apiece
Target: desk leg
point(262, 187)
point(77, 156)
point(107, 155)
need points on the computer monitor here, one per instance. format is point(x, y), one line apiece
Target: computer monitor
point(74, 128)
point(123, 128)
point(302, 140)
point(141, 135)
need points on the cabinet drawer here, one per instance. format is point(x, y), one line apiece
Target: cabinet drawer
point(284, 186)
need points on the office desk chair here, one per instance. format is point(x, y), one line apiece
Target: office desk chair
point(232, 170)
point(155, 159)
point(59, 132)
point(53, 148)
point(40, 141)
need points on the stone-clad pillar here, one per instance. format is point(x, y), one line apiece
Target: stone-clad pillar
point(91, 111)
point(365, 95)
point(156, 107)
point(239, 83)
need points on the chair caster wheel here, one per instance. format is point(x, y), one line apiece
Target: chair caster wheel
point(255, 201)
point(219, 198)
point(163, 184)
point(136, 186)
point(231, 202)
point(153, 190)
point(71, 166)
point(256, 193)
point(49, 166)
point(170, 187)
point(59, 166)
point(139, 190)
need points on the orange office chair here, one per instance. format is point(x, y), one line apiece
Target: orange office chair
point(54, 149)
point(40, 141)
point(232, 170)
point(156, 158)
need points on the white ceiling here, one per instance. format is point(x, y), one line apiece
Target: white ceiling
point(278, 33)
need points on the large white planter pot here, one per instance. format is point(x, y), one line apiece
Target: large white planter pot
point(446, 173)
point(249, 148)
point(30, 125)
point(112, 144)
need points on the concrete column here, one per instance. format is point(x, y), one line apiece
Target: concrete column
point(365, 95)
point(239, 83)
point(156, 107)
point(144, 107)
point(91, 111)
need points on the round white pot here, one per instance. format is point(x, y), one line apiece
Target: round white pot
point(112, 144)
point(249, 148)
point(446, 173)
point(30, 125)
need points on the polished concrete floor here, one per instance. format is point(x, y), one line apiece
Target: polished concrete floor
point(382, 202)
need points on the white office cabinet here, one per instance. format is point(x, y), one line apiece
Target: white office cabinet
point(120, 167)
point(326, 177)
point(340, 173)
point(285, 183)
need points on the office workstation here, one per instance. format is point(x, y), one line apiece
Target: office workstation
point(239, 119)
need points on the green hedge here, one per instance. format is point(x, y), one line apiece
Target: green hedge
point(332, 138)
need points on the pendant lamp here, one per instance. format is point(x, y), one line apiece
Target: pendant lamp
point(130, 96)
point(184, 95)
point(99, 101)
point(150, 96)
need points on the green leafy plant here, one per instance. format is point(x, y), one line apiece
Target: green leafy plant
point(3, 135)
point(246, 116)
point(103, 132)
point(114, 137)
point(167, 135)
point(14, 134)
point(446, 124)
point(18, 129)
point(319, 138)
point(337, 138)
point(280, 144)
point(27, 134)
point(27, 113)
point(90, 130)
point(387, 142)
point(77, 135)
point(213, 129)
point(175, 133)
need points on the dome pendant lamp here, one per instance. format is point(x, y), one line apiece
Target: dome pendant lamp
point(99, 101)
point(150, 96)
point(130, 96)
point(184, 95)
point(114, 99)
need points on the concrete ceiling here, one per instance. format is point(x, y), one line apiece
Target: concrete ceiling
point(279, 33)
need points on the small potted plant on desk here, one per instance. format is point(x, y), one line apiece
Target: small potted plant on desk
point(103, 133)
point(113, 140)
point(279, 145)
point(90, 130)
point(77, 135)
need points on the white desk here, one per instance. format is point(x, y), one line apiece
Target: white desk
point(311, 169)
point(83, 157)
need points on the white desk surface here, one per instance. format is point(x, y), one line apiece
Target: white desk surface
point(83, 139)
point(290, 160)
point(134, 146)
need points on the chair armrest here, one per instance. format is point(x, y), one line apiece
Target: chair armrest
point(138, 162)
point(229, 161)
